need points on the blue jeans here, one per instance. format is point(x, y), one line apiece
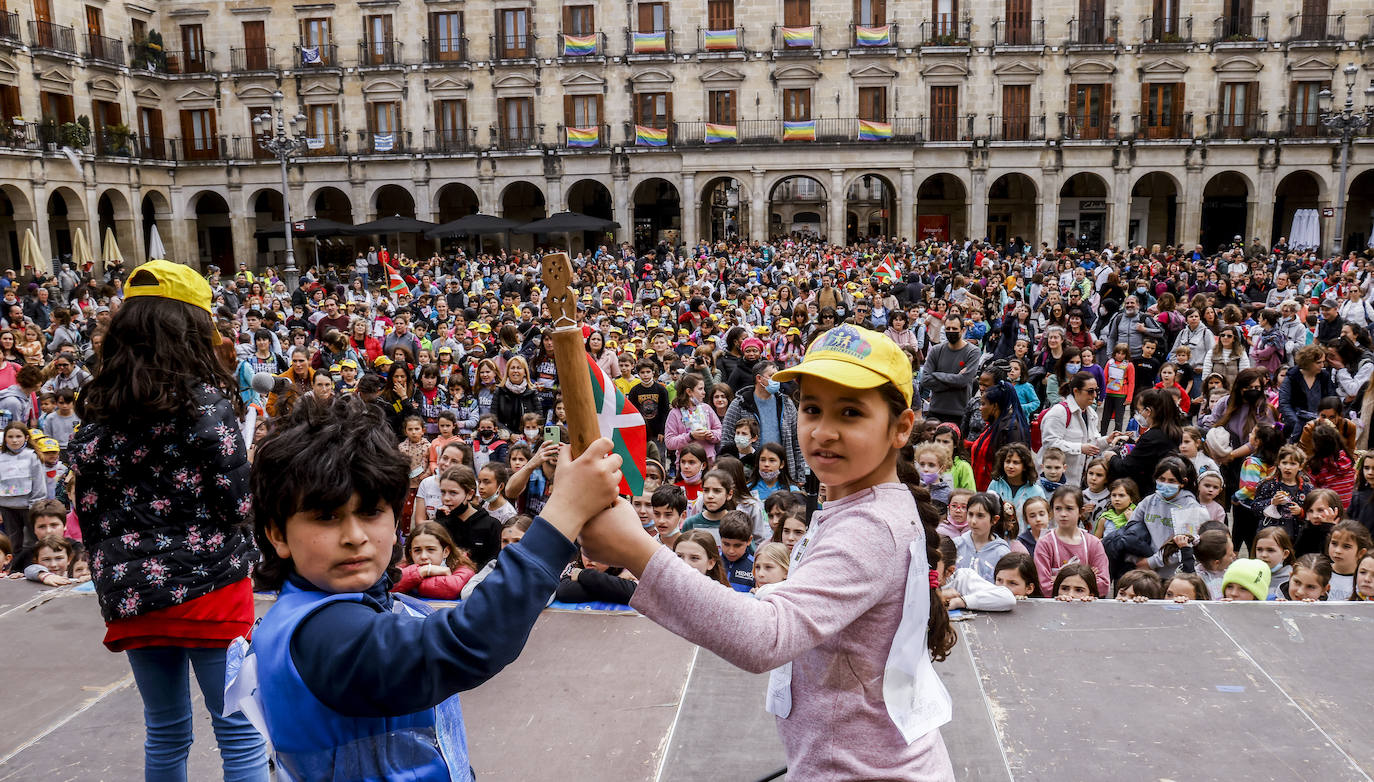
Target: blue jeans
point(164, 681)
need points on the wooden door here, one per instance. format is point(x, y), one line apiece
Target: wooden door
point(796, 13)
point(193, 48)
point(450, 118)
point(579, 19)
point(720, 14)
point(514, 32)
point(944, 113)
point(446, 36)
point(870, 13)
point(653, 17)
point(720, 107)
point(1162, 106)
point(1018, 22)
point(873, 103)
point(796, 105)
point(255, 45)
point(94, 24)
point(1016, 112)
point(377, 35)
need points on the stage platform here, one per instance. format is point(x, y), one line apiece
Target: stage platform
point(1051, 691)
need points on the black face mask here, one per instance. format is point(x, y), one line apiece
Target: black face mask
point(486, 435)
point(1251, 395)
point(953, 336)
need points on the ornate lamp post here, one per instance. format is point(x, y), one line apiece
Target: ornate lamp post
point(1347, 124)
point(271, 126)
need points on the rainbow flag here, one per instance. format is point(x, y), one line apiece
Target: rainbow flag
point(650, 137)
point(579, 45)
point(873, 36)
point(799, 37)
point(650, 43)
point(622, 424)
point(720, 40)
point(801, 130)
point(719, 134)
point(871, 130)
point(584, 137)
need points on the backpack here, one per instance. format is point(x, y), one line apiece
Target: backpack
point(1035, 441)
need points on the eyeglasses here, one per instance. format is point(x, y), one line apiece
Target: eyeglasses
point(1228, 336)
point(1087, 390)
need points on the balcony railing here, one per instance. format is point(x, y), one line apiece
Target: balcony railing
point(648, 42)
point(445, 50)
point(512, 47)
point(372, 54)
point(322, 56)
point(1089, 128)
point(520, 137)
point(730, 39)
point(1094, 30)
point(805, 38)
point(946, 30)
point(1167, 126)
point(1032, 33)
point(190, 61)
point(948, 128)
point(10, 30)
point(206, 148)
point(772, 131)
point(326, 144)
point(1236, 125)
point(587, 137)
point(53, 37)
point(577, 47)
point(104, 49)
point(451, 140)
point(1166, 31)
point(155, 148)
point(880, 38)
point(1300, 124)
point(253, 59)
point(397, 142)
point(1316, 27)
point(1016, 127)
point(19, 135)
point(1240, 29)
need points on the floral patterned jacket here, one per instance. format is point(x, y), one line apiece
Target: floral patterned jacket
point(163, 511)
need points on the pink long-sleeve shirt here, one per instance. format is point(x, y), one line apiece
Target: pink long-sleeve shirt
point(834, 619)
point(1051, 554)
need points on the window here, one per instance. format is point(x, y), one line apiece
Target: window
point(192, 50)
point(513, 25)
point(316, 33)
point(95, 25)
point(57, 107)
point(451, 121)
point(796, 105)
point(944, 113)
point(9, 103)
point(377, 40)
point(517, 120)
point(579, 19)
point(446, 36)
point(653, 17)
point(1164, 22)
point(1018, 23)
point(720, 14)
point(1237, 108)
point(258, 152)
point(945, 16)
point(198, 135)
point(581, 111)
point(720, 107)
point(1236, 18)
point(870, 13)
point(138, 30)
point(1162, 106)
point(1092, 105)
point(154, 144)
point(42, 16)
point(873, 103)
point(383, 117)
point(653, 109)
point(1303, 107)
point(1016, 112)
point(255, 46)
point(322, 126)
point(1092, 21)
point(1313, 20)
point(796, 13)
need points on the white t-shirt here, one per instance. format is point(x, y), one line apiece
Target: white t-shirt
point(428, 493)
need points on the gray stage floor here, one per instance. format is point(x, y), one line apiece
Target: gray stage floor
point(1049, 692)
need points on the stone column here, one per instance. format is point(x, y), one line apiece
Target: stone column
point(1047, 206)
point(40, 226)
point(239, 211)
point(1120, 216)
point(906, 205)
point(133, 247)
point(1261, 204)
point(977, 205)
point(835, 207)
point(554, 200)
point(758, 208)
point(1190, 208)
point(690, 208)
point(623, 208)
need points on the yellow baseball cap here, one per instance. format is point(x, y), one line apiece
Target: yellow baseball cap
point(382, 361)
point(348, 363)
point(170, 281)
point(46, 445)
point(856, 358)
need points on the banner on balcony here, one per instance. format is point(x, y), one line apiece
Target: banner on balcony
point(383, 142)
point(579, 45)
point(720, 40)
point(316, 142)
point(870, 130)
point(310, 55)
point(801, 130)
point(799, 37)
point(873, 36)
point(583, 137)
point(651, 43)
point(650, 137)
point(720, 134)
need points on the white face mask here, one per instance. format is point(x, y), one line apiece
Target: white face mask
point(742, 441)
point(532, 434)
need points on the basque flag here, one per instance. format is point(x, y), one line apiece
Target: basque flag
point(394, 282)
point(887, 270)
point(620, 422)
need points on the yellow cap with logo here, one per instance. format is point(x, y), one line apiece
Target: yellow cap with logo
point(854, 357)
point(170, 281)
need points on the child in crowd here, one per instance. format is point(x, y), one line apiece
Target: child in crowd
point(491, 491)
point(1096, 492)
point(61, 424)
point(1193, 447)
point(446, 426)
point(984, 543)
point(1067, 543)
point(691, 461)
point(1213, 554)
point(1184, 587)
point(1120, 374)
point(589, 581)
point(25, 482)
point(471, 528)
point(1310, 580)
point(1016, 572)
point(933, 463)
point(415, 448)
point(790, 532)
point(1362, 501)
point(1168, 379)
point(1035, 519)
point(1139, 586)
point(771, 565)
point(780, 505)
point(961, 471)
point(699, 549)
point(1014, 476)
point(1265, 442)
point(6, 554)
point(488, 445)
point(52, 560)
point(1364, 579)
point(1210, 485)
point(1171, 515)
point(1122, 498)
point(743, 499)
point(1147, 364)
point(438, 569)
point(716, 500)
point(744, 446)
point(1052, 462)
point(736, 535)
point(511, 533)
point(54, 471)
point(46, 518)
point(1347, 544)
point(1245, 579)
point(956, 513)
point(1076, 583)
point(670, 510)
point(963, 588)
point(1279, 499)
point(1025, 391)
point(1273, 547)
point(1321, 510)
point(772, 473)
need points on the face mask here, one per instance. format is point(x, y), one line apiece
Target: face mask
point(769, 475)
point(1072, 368)
point(1140, 420)
point(1251, 395)
point(743, 441)
point(930, 478)
point(1166, 490)
point(773, 386)
point(952, 336)
point(1141, 289)
point(486, 436)
point(531, 434)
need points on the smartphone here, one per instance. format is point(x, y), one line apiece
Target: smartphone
point(553, 434)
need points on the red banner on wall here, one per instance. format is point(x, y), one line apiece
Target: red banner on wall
point(933, 227)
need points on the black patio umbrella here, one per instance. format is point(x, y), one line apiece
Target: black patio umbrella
point(305, 229)
point(567, 222)
point(471, 225)
point(395, 224)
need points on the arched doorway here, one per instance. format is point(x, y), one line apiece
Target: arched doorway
point(1154, 210)
point(1298, 190)
point(869, 202)
point(1012, 209)
point(455, 200)
point(1084, 212)
point(523, 203)
point(941, 208)
point(1225, 213)
point(267, 210)
point(589, 197)
point(1359, 212)
point(331, 203)
point(16, 215)
point(156, 212)
point(657, 215)
point(724, 210)
point(113, 213)
point(214, 234)
point(65, 215)
point(797, 205)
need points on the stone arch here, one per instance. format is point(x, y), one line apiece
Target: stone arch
point(1156, 198)
point(16, 215)
point(330, 202)
point(656, 211)
point(455, 200)
point(792, 204)
point(725, 207)
point(113, 211)
point(1300, 189)
point(870, 198)
point(1013, 199)
point(1225, 209)
point(942, 203)
point(1085, 211)
point(1359, 209)
point(66, 213)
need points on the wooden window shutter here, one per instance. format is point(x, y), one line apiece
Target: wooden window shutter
point(568, 117)
point(567, 20)
point(1106, 117)
point(1251, 101)
point(668, 109)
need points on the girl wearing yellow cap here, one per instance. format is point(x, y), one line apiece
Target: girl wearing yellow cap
point(859, 618)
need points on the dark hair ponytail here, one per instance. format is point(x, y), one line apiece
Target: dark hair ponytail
point(940, 634)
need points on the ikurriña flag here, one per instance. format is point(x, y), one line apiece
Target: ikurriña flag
point(394, 281)
point(622, 424)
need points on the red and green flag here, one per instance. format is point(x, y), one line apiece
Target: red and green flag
point(394, 282)
point(622, 424)
point(887, 270)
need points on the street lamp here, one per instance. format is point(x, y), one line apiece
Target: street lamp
point(271, 126)
point(1348, 123)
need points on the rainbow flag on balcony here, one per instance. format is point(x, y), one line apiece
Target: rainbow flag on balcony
point(579, 45)
point(871, 130)
point(801, 130)
point(720, 134)
point(650, 43)
point(799, 37)
point(873, 36)
point(650, 137)
point(584, 137)
point(720, 40)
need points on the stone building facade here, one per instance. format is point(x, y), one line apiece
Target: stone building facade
point(1141, 121)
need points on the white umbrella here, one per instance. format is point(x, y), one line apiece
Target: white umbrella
point(110, 253)
point(155, 249)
